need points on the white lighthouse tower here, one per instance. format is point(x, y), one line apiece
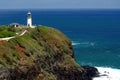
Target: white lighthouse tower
point(29, 19)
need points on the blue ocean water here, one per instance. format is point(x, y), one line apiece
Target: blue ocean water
point(95, 34)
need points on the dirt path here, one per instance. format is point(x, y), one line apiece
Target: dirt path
point(8, 38)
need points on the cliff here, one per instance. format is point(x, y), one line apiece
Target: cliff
point(42, 53)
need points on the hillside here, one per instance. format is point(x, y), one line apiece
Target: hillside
point(42, 53)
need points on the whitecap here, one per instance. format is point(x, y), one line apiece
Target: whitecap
point(75, 44)
point(107, 73)
point(83, 43)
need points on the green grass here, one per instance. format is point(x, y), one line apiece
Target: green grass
point(7, 31)
point(4, 34)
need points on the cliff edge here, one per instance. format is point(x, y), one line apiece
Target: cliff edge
point(42, 53)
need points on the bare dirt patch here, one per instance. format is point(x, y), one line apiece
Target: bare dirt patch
point(19, 48)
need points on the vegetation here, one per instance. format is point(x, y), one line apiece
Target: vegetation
point(44, 47)
point(7, 31)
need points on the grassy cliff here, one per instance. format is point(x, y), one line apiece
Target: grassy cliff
point(42, 53)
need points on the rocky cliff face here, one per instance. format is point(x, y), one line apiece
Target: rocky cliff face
point(43, 53)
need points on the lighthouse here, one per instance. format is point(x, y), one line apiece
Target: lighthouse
point(29, 19)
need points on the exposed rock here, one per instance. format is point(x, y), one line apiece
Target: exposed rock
point(91, 71)
point(4, 73)
point(23, 72)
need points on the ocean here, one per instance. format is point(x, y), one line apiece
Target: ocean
point(95, 34)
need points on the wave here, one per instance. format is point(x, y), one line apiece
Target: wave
point(83, 43)
point(107, 73)
point(75, 44)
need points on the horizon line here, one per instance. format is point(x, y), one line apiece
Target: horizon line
point(62, 9)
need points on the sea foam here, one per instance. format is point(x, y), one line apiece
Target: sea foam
point(83, 43)
point(108, 74)
point(75, 44)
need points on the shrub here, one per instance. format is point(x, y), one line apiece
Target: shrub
point(8, 60)
point(3, 27)
point(2, 62)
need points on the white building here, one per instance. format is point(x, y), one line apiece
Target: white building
point(14, 25)
point(29, 19)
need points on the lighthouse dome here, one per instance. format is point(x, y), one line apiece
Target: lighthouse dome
point(29, 12)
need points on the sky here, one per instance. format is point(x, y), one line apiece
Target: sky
point(59, 4)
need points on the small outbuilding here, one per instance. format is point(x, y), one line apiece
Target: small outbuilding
point(14, 25)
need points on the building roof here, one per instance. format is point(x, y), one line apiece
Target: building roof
point(14, 24)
